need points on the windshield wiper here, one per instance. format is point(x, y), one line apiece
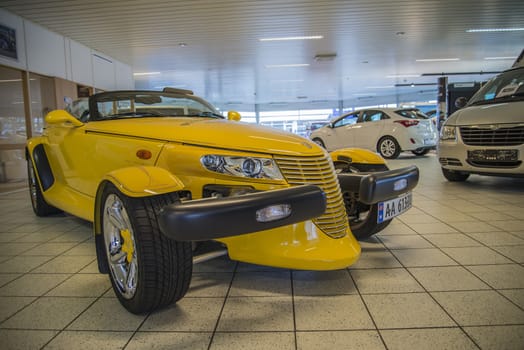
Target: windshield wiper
point(206, 115)
point(133, 114)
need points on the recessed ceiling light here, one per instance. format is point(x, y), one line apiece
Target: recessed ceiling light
point(182, 44)
point(146, 73)
point(501, 58)
point(324, 57)
point(287, 81)
point(286, 38)
point(493, 30)
point(380, 87)
point(365, 95)
point(287, 65)
point(437, 59)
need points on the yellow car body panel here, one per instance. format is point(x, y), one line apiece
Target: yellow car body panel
point(149, 156)
point(299, 246)
point(356, 155)
point(143, 181)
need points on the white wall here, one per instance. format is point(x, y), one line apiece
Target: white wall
point(16, 23)
point(44, 52)
point(81, 63)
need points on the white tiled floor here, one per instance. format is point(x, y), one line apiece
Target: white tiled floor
point(449, 274)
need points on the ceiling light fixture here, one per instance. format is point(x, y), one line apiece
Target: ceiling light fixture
point(325, 57)
point(287, 81)
point(437, 59)
point(380, 87)
point(415, 84)
point(286, 38)
point(287, 65)
point(403, 76)
point(494, 30)
point(365, 95)
point(458, 73)
point(501, 58)
point(146, 73)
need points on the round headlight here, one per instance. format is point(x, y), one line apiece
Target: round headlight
point(211, 162)
point(251, 167)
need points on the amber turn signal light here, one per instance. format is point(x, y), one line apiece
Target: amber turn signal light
point(144, 154)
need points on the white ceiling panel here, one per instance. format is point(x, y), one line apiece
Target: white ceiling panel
point(213, 47)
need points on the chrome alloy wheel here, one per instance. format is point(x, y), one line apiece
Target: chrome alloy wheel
point(388, 148)
point(120, 246)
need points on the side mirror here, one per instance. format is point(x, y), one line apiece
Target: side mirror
point(461, 102)
point(232, 115)
point(61, 116)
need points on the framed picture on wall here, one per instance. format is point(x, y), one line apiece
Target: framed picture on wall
point(8, 42)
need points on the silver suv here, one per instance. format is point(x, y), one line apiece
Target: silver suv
point(486, 137)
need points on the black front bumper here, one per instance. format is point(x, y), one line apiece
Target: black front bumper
point(380, 186)
point(212, 218)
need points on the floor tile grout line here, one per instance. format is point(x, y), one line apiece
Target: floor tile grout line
point(215, 328)
point(435, 301)
point(367, 308)
point(75, 318)
point(497, 290)
point(293, 310)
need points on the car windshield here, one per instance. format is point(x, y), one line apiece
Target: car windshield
point(411, 114)
point(136, 104)
point(507, 86)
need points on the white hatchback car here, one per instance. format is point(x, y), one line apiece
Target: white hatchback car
point(388, 131)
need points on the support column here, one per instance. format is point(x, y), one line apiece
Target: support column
point(442, 105)
point(257, 113)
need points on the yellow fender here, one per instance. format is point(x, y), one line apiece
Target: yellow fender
point(356, 155)
point(143, 181)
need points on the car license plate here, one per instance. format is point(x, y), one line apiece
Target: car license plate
point(394, 207)
point(494, 154)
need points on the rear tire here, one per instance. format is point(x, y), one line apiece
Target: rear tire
point(147, 270)
point(40, 206)
point(362, 217)
point(421, 152)
point(388, 147)
point(455, 176)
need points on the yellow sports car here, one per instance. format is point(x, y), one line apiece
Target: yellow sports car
point(157, 171)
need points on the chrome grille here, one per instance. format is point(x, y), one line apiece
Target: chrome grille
point(319, 171)
point(492, 135)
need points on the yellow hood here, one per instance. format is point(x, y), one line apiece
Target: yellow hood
point(216, 133)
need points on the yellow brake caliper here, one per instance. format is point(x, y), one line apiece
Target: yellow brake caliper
point(127, 245)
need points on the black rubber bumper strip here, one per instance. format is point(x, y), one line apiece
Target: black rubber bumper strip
point(380, 186)
point(212, 218)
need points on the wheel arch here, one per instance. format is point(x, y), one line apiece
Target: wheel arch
point(139, 181)
point(35, 152)
point(136, 182)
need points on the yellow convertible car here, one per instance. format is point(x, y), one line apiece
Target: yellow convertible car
point(157, 171)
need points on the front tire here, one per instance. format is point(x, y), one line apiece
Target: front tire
point(319, 142)
point(362, 217)
point(455, 176)
point(40, 206)
point(147, 270)
point(388, 147)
